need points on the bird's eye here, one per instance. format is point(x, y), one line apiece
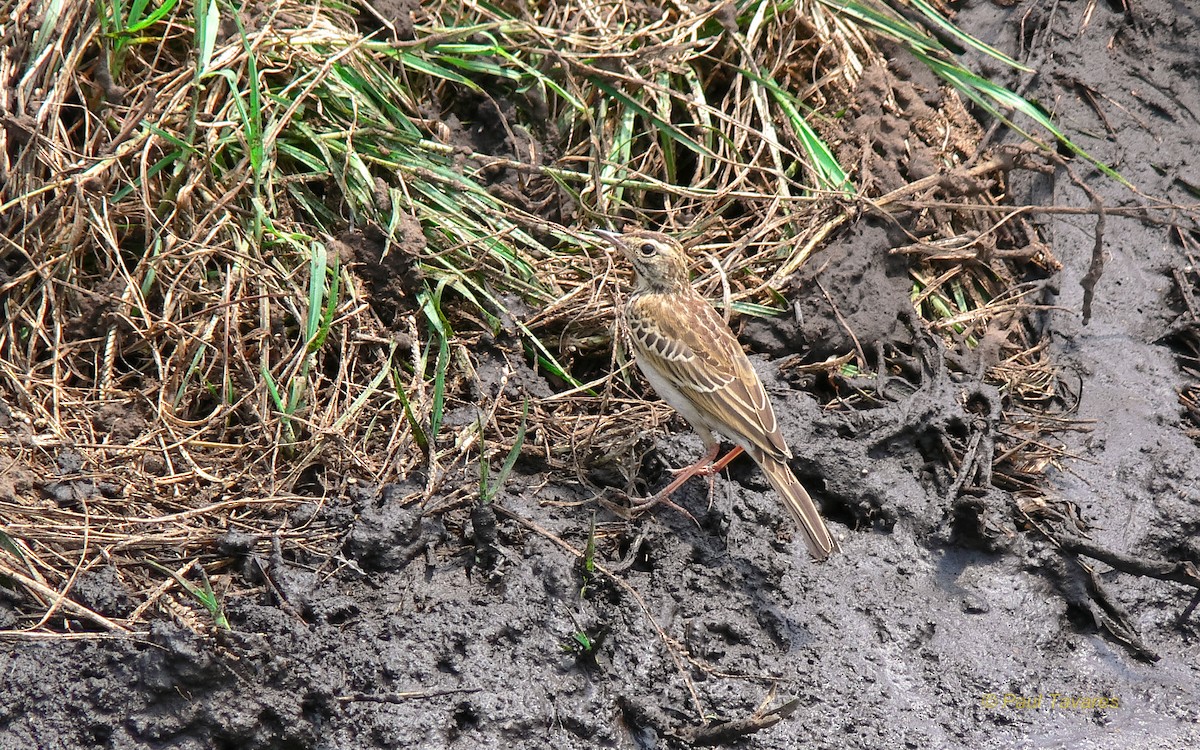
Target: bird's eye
point(647, 250)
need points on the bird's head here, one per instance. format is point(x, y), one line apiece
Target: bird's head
point(659, 261)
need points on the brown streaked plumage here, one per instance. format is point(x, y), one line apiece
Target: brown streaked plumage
point(695, 364)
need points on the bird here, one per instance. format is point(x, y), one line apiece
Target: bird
point(691, 358)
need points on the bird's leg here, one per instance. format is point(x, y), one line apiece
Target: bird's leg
point(716, 466)
point(639, 508)
point(701, 468)
point(705, 467)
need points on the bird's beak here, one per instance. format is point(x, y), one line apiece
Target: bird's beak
point(613, 238)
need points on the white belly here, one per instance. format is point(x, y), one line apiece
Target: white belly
point(669, 393)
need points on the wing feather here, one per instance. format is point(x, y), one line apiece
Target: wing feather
point(688, 342)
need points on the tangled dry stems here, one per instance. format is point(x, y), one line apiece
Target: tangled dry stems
point(164, 387)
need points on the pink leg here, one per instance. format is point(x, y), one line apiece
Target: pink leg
point(718, 465)
point(701, 467)
point(705, 467)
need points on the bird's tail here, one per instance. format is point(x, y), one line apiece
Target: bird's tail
point(816, 534)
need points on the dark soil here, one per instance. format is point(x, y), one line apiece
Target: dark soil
point(449, 631)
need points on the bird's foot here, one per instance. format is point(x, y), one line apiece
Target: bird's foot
point(663, 498)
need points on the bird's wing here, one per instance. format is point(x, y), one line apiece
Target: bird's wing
point(684, 339)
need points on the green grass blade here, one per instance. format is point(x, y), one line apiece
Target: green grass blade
point(432, 69)
point(137, 23)
point(756, 310)
point(439, 387)
point(888, 25)
point(317, 271)
point(419, 435)
point(167, 161)
point(431, 304)
point(135, 12)
point(664, 114)
point(988, 95)
point(14, 549)
point(273, 390)
point(651, 117)
point(829, 173)
point(208, 24)
point(944, 24)
point(332, 300)
point(618, 157)
point(490, 490)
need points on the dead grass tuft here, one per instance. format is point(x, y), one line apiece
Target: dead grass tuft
point(195, 346)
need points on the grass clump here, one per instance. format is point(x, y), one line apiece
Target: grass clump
point(251, 254)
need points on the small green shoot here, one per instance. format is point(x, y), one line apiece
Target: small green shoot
point(324, 288)
point(431, 304)
point(127, 28)
point(419, 434)
point(203, 594)
point(14, 549)
point(489, 489)
point(588, 561)
point(584, 643)
point(580, 642)
point(943, 310)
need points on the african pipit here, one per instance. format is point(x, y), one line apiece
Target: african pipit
point(695, 364)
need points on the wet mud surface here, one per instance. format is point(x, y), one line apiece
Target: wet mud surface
point(462, 630)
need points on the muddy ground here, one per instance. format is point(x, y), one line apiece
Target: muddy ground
point(901, 641)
